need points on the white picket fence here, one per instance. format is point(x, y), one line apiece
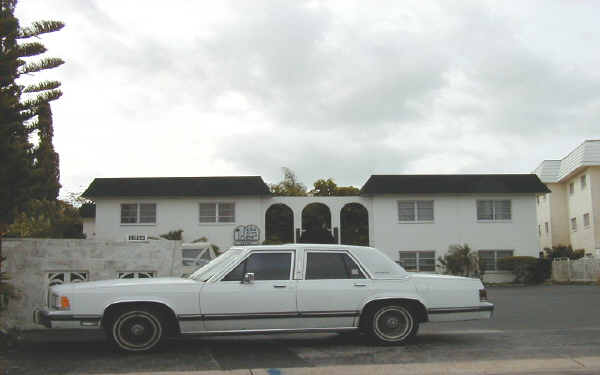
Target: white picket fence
point(584, 269)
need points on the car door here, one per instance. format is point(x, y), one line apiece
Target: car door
point(268, 302)
point(332, 289)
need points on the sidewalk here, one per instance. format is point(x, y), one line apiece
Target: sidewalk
point(581, 365)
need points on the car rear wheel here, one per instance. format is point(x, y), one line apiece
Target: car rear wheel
point(392, 324)
point(137, 329)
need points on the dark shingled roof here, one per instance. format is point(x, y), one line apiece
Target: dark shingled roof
point(176, 186)
point(87, 210)
point(453, 184)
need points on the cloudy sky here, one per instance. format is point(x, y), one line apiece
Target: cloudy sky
point(327, 88)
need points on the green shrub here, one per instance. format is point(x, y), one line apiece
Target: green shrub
point(47, 219)
point(562, 251)
point(173, 235)
point(528, 270)
point(460, 261)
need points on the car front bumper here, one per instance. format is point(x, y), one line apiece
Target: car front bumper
point(64, 319)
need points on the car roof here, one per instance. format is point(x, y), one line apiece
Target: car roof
point(303, 245)
point(375, 261)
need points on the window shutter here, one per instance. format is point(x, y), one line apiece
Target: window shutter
point(502, 210)
point(147, 212)
point(425, 210)
point(208, 212)
point(406, 210)
point(485, 210)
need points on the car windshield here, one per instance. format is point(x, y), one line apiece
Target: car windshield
point(206, 272)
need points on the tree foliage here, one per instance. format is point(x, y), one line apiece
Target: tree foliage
point(460, 261)
point(46, 172)
point(47, 219)
point(289, 186)
point(174, 235)
point(328, 188)
point(16, 151)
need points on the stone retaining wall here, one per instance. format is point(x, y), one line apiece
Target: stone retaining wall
point(33, 264)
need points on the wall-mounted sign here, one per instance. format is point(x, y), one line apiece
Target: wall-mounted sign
point(246, 235)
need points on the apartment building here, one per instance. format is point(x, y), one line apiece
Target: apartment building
point(570, 214)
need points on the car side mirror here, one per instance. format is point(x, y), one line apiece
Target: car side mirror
point(248, 278)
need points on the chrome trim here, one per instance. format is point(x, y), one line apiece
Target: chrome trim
point(453, 310)
point(267, 331)
point(268, 315)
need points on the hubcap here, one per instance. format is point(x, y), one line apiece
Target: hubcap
point(137, 329)
point(392, 323)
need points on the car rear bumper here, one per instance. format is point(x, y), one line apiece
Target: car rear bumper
point(64, 319)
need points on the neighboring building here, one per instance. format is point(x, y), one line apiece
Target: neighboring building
point(414, 218)
point(570, 214)
point(87, 211)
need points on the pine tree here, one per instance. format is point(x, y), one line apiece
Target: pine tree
point(16, 152)
point(46, 172)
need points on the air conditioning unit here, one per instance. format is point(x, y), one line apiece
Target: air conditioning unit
point(137, 238)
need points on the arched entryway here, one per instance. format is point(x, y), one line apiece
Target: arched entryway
point(279, 224)
point(316, 224)
point(354, 222)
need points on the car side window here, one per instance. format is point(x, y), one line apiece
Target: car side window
point(265, 266)
point(322, 265)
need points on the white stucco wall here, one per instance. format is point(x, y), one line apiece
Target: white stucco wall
point(455, 222)
point(580, 203)
point(175, 214)
point(594, 182)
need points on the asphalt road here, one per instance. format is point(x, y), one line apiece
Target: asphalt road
point(529, 322)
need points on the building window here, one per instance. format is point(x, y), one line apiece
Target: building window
point(573, 224)
point(537, 198)
point(415, 210)
point(488, 259)
point(546, 227)
point(571, 188)
point(419, 261)
point(217, 212)
point(586, 220)
point(539, 230)
point(544, 196)
point(142, 213)
point(135, 274)
point(494, 210)
point(583, 181)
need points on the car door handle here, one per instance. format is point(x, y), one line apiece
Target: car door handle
point(360, 285)
point(279, 286)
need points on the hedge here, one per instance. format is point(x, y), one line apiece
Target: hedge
point(528, 270)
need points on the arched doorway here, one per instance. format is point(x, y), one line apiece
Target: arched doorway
point(354, 222)
point(279, 224)
point(316, 224)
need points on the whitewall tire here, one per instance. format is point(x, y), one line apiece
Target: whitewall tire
point(137, 329)
point(393, 324)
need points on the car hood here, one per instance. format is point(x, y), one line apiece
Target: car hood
point(123, 283)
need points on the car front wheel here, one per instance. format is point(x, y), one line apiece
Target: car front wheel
point(393, 324)
point(137, 329)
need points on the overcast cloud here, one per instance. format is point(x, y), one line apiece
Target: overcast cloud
point(328, 89)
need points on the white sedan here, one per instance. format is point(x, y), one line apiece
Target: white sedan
point(261, 289)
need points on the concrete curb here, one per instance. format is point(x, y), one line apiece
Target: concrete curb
point(518, 366)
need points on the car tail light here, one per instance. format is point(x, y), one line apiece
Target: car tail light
point(483, 295)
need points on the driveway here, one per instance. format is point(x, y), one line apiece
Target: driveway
point(542, 322)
